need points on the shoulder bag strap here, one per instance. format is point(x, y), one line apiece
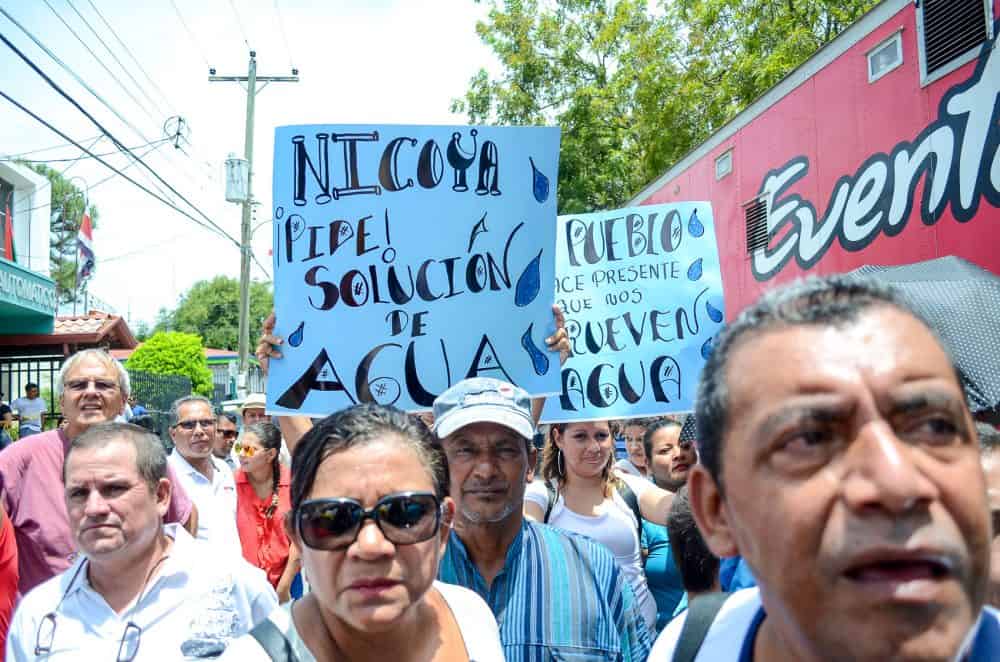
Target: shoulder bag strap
point(701, 612)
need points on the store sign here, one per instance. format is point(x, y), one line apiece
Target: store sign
point(26, 289)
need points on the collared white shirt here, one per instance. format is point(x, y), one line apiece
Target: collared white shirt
point(199, 600)
point(215, 499)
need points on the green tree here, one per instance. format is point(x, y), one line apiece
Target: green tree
point(67, 204)
point(632, 89)
point(174, 353)
point(211, 309)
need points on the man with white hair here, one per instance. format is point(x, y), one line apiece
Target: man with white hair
point(92, 388)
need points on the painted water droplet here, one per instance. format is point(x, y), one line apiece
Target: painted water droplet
point(707, 347)
point(539, 182)
point(295, 339)
point(714, 313)
point(695, 227)
point(694, 271)
point(538, 358)
point(529, 283)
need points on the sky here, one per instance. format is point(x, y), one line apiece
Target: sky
point(361, 61)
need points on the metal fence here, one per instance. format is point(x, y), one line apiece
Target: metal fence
point(17, 372)
point(156, 393)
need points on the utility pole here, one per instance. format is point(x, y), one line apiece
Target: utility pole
point(251, 80)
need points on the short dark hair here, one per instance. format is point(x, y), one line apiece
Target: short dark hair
point(229, 416)
point(836, 301)
point(698, 566)
point(30, 385)
point(150, 458)
point(652, 429)
point(356, 426)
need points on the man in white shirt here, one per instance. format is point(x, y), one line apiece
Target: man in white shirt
point(207, 479)
point(31, 410)
point(139, 590)
point(838, 457)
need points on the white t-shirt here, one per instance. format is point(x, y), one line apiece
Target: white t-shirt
point(199, 599)
point(30, 412)
point(215, 499)
point(614, 527)
point(625, 465)
point(474, 618)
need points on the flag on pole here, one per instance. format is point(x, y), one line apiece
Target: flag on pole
point(85, 248)
point(8, 234)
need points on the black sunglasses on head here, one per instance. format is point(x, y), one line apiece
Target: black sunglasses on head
point(403, 518)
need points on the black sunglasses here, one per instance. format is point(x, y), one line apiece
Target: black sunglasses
point(404, 518)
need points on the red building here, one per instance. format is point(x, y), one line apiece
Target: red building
point(880, 149)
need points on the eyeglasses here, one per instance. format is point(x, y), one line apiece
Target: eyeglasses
point(228, 434)
point(205, 423)
point(404, 518)
point(243, 449)
point(128, 647)
point(100, 385)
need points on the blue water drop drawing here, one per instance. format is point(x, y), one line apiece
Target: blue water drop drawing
point(295, 339)
point(695, 228)
point(539, 182)
point(529, 283)
point(707, 347)
point(538, 358)
point(713, 313)
point(694, 271)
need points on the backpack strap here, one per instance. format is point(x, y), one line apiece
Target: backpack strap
point(632, 501)
point(701, 613)
point(273, 641)
point(552, 501)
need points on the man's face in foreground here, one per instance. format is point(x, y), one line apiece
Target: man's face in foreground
point(853, 488)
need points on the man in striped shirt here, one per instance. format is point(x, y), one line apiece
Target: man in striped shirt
point(554, 594)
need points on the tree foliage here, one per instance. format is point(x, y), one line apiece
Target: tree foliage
point(67, 204)
point(174, 353)
point(632, 89)
point(211, 310)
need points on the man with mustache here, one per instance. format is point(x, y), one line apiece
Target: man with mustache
point(555, 595)
point(839, 458)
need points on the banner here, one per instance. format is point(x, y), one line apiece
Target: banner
point(85, 249)
point(642, 292)
point(407, 258)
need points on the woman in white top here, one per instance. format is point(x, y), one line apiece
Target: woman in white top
point(577, 463)
point(371, 515)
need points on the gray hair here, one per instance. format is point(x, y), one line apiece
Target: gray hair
point(150, 458)
point(175, 408)
point(124, 385)
point(836, 301)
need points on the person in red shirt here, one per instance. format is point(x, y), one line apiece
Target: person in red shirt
point(262, 499)
point(8, 574)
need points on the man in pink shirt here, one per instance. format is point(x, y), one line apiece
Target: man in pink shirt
point(92, 388)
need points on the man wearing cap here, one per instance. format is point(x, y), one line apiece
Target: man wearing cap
point(554, 594)
point(252, 409)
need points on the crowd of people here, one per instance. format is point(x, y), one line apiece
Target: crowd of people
point(835, 500)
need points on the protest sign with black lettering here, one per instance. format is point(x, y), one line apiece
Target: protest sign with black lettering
point(642, 293)
point(407, 258)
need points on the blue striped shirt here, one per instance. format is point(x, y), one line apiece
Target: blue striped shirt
point(559, 595)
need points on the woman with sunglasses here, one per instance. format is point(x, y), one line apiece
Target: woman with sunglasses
point(371, 517)
point(262, 501)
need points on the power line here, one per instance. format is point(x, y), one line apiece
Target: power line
point(73, 162)
point(240, 24)
point(115, 58)
point(17, 158)
point(284, 35)
point(194, 39)
point(121, 43)
point(100, 61)
point(11, 157)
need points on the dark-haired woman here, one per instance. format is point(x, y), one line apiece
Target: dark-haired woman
point(371, 515)
point(262, 499)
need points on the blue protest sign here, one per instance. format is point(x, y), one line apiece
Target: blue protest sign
point(642, 293)
point(408, 258)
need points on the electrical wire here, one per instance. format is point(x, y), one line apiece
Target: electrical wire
point(13, 158)
point(284, 35)
point(100, 61)
point(240, 24)
point(127, 50)
point(128, 73)
point(194, 39)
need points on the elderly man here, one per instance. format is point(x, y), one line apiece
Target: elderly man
point(207, 479)
point(839, 458)
point(92, 388)
point(555, 595)
point(141, 590)
point(225, 437)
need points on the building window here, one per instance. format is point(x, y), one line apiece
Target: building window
point(724, 164)
point(885, 57)
point(950, 34)
point(755, 214)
